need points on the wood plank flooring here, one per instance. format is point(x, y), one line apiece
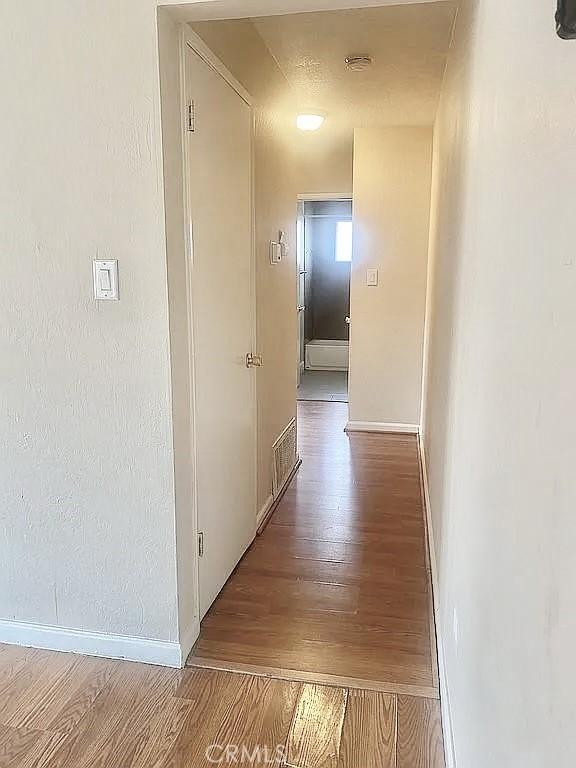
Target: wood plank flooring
point(327, 617)
point(338, 585)
point(65, 711)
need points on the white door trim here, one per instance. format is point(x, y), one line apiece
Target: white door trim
point(190, 321)
point(190, 40)
point(382, 426)
point(327, 196)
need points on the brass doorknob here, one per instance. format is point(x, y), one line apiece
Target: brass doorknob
point(254, 361)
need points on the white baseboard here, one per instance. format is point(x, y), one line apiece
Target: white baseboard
point(380, 426)
point(261, 516)
point(109, 646)
point(442, 672)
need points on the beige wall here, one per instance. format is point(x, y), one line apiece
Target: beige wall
point(324, 163)
point(241, 49)
point(392, 169)
point(87, 522)
point(499, 423)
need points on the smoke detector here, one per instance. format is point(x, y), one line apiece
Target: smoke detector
point(358, 63)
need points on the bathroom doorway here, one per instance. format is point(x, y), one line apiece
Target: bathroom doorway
point(324, 265)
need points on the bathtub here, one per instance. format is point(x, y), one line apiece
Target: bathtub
point(326, 355)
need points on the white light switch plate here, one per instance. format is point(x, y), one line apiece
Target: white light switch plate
point(372, 277)
point(105, 274)
point(275, 252)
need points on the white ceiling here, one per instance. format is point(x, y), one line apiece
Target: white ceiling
point(407, 42)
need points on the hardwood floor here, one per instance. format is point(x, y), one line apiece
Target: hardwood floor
point(337, 588)
point(66, 711)
point(328, 618)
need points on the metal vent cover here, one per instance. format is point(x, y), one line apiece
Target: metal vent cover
point(284, 457)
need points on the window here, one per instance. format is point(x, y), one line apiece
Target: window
point(344, 241)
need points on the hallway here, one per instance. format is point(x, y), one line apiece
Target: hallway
point(337, 588)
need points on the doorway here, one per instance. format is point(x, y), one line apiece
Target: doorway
point(324, 266)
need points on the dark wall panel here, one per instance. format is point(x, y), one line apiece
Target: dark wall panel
point(328, 299)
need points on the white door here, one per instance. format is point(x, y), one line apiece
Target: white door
point(219, 155)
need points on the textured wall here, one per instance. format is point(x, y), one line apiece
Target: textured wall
point(324, 166)
point(499, 423)
point(86, 479)
point(392, 169)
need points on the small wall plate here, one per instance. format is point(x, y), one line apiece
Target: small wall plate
point(105, 275)
point(275, 252)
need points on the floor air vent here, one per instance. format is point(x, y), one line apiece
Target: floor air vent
point(284, 457)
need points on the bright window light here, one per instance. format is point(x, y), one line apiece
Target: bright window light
point(309, 122)
point(344, 241)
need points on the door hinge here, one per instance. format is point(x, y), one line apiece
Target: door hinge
point(201, 544)
point(191, 117)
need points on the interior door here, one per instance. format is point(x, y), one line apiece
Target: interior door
point(219, 156)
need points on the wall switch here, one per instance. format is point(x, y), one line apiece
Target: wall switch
point(372, 277)
point(105, 274)
point(275, 252)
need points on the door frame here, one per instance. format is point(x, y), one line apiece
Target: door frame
point(191, 40)
point(318, 198)
point(300, 244)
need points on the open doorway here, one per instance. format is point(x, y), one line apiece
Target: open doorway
point(324, 266)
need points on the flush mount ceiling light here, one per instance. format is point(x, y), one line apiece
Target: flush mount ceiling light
point(309, 121)
point(358, 63)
